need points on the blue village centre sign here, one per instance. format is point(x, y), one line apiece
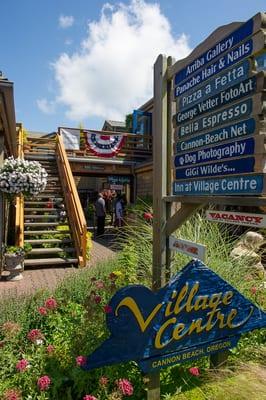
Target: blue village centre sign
point(196, 314)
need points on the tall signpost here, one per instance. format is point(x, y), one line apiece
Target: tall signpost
point(219, 136)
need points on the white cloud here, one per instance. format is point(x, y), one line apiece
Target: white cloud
point(65, 21)
point(112, 72)
point(47, 107)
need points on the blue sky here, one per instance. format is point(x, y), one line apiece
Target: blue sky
point(83, 61)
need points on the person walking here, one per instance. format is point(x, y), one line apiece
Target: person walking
point(100, 212)
point(119, 212)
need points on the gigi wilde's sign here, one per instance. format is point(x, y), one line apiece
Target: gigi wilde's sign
point(196, 314)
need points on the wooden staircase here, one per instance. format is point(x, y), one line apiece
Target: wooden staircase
point(45, 221)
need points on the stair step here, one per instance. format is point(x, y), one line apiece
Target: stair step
point(41, 241)
point(41, 224)
point(39, 209)
point(50, 261)
point(37, 216)
point(40, 202)
point(50, 250)
point(46, 232)
point(48, 196)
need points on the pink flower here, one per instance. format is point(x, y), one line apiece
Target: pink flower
point(103, 381)
point(12, 394)
point(42, 310)
point(97, 299)
point(107, 309)
point(44, 382)
point(125, 387)
point(99, 284)
point(22, 365)
point(34, 335)
point(253, 290)
point(51, 304)
point(50, 348)
point(148, 216)
point(89, 397)
point(81, 360)
point(194, 371)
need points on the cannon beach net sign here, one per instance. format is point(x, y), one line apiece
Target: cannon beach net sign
point(196, 314)
point(219, 122)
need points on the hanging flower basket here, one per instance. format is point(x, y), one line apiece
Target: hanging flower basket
point(19, 176)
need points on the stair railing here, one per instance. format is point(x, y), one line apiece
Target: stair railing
point(74, 209)
point(19, 219)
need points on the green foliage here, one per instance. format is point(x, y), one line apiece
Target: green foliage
point(129, 119)
point(18, 250)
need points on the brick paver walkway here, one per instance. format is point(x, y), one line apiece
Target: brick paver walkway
point(47, 277)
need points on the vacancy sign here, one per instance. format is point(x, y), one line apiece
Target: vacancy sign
point(187, 247)
point(237, 218)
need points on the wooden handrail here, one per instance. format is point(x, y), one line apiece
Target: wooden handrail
point(19, 220)
point(75, 213)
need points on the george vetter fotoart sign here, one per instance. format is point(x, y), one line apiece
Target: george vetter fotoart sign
point(196, 314)
point(218, 133)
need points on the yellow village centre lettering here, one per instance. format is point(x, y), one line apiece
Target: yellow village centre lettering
point(187, 301)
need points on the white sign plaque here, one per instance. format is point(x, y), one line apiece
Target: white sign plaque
point(237, 218)
point(187, 247)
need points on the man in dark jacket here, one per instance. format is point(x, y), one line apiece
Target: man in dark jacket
point(100, 212)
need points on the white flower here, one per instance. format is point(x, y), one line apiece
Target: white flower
point(22, 176)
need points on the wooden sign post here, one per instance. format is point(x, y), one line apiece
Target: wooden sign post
point(214, 139)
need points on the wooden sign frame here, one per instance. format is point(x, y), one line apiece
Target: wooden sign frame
point(166, 218)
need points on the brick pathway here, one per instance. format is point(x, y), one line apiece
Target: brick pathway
point(47, 277)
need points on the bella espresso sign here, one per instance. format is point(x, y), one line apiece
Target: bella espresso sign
point(196, 314)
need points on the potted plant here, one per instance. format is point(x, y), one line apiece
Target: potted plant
point(20, 177)
point(14, 260)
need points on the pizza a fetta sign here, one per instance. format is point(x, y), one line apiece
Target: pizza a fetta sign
point(219, 136)
point(237, 218)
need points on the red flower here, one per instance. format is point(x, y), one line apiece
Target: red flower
point(125, 387)
point(103, 381)
point(253, 290)
point(194, 371)
point(34, 334)
point(44, 382)
point(97, 299)
point(148, 216)
point(42, 310)
point(12, 394)
point(50, 348)
point(81, 360)
point(89, 397)
point(112, 276)
point(51, 304)
point(22, 365)
point(107, 309)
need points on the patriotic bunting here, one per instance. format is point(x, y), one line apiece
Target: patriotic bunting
point(104, 145)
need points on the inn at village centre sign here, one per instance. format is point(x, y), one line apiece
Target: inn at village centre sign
point(196, 314)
